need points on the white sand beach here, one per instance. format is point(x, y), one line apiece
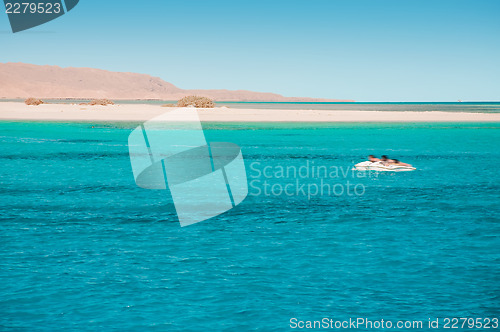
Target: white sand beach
point(143, 112)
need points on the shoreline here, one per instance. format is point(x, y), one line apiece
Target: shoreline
point(17, 111)
point(71, 100)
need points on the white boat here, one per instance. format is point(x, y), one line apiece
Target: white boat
point(381, 167)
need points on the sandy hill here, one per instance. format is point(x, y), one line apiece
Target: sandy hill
point(20, 80)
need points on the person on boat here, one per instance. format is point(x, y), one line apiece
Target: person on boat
point(373, 159)
point(385, 160)
point(388, 161)
point(398, 163)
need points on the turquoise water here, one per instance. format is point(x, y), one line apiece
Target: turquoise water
point(83, 248)
point(472, 107)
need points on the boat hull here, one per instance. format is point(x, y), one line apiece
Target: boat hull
point(379, 167)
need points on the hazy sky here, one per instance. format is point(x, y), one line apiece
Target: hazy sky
point(373, 50)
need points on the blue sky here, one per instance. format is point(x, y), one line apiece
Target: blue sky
point(373, 50)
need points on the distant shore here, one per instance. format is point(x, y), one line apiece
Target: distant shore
point(143, 112)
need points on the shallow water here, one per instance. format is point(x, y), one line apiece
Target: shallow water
point(469, 107)
point(81, 247)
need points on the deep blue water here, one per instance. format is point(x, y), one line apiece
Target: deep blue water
point(83, 248)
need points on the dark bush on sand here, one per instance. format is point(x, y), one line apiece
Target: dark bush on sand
point(196, 101)
point(33, 101)
point(102, 102)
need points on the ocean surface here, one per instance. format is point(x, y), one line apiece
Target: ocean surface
point(83, 248)
point(471, 107)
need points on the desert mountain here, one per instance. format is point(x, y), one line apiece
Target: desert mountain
point(20, 80)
